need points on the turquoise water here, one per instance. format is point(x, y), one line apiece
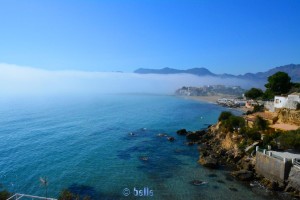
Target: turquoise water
point(84, 144)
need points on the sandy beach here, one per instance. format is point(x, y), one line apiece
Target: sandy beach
point(213, 99)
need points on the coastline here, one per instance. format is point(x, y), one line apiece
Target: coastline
point(213, 100)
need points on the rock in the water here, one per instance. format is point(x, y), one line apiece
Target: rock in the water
point(192, 136)
point(212, 175)
point(243, 175)
point(208, 161)
point(182, 132)
point(198, 182)
point(171, 139)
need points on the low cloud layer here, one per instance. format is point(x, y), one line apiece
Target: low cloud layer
point(17, 80)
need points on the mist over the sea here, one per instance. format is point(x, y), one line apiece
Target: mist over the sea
point(19, 80)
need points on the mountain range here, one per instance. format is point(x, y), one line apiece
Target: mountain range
point(292, 69)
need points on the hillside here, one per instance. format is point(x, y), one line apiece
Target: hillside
point(292, 69)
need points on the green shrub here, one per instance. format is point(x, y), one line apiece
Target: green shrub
point(269, 139)
point(242, 145)
point(258, 108)
point(253, 134)
point(224, 115)
point(231, 122)
point(261, 124)
point(290, 140)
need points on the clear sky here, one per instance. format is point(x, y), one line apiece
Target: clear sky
point(223, 36)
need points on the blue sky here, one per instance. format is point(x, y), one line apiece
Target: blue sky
point(224, 36)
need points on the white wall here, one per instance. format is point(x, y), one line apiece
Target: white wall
point(279, 101)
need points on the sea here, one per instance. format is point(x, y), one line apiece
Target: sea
point(107, 147)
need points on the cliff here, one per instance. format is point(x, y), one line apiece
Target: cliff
point(289, 116)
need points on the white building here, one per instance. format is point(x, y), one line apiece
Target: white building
point(279, 101)
point(292, 101)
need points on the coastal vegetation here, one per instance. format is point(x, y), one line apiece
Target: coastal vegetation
point(290, 140)
point(278, 84)
point(4, 194)
point(254, 93)
point(277, 140)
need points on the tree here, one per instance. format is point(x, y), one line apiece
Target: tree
point(279, 83)
point(254, 93)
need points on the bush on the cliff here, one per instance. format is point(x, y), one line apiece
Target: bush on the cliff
point(224, 116)
point(258, 108)
point(269, 139)
point(253, 134)
point(242, 145)
point(290, 140)
point(234, 123)
point(261, 124)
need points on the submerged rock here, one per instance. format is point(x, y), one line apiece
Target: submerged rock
point(171, 139)
point(212, 175)
point(220, 181)
point(233, 189)
point(243, 175)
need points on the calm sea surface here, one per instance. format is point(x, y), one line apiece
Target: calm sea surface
point(85, 145)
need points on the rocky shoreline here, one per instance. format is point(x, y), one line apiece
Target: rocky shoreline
point(218, 150)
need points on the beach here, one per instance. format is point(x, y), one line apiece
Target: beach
point(213, 100)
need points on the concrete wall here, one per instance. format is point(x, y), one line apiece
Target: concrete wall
point(272, 168)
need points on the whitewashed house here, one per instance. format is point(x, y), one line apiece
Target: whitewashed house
point(279, 101)
point(292, 101)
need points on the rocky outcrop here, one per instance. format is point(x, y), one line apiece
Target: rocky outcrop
point(208, 161)
point(218, 148)
point(182, 132)
point(289, 116)
point(294, 181)
point(192, 136)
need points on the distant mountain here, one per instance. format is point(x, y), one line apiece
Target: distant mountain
point(293, 70)
point(167, 70)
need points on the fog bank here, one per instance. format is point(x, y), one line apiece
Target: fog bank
point(19, 80)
